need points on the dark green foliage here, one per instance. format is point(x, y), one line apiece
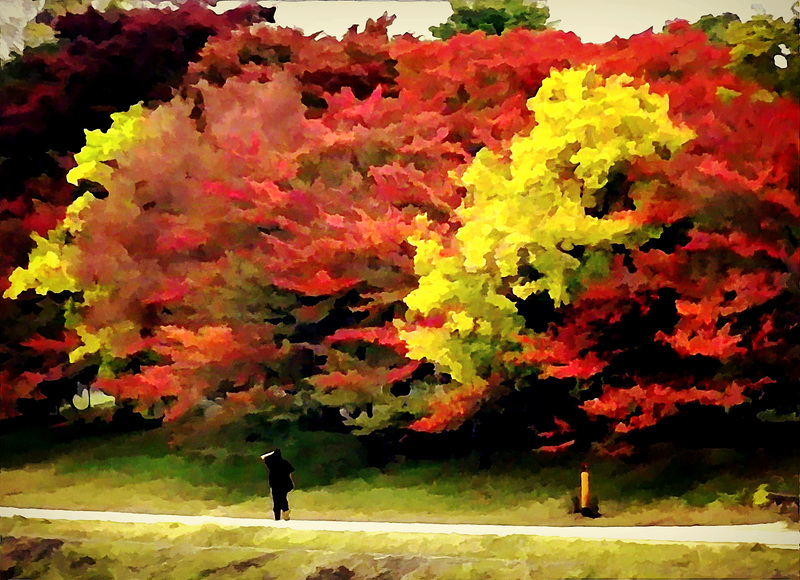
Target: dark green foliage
point(756, 44)
point(492, 17)
point(715, 25)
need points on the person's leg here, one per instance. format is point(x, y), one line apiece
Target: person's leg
point(285, 506)
point(280, 503)
point(276, 504)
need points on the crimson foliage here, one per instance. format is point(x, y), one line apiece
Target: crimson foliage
point(101, 63)
point(255, 241)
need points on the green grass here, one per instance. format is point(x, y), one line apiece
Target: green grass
point(222, 475)
point(82, 551)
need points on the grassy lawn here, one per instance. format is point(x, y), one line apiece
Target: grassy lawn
point(82, 550)
point(141, 473)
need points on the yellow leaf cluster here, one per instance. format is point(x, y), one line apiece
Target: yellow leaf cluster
point(126, 128)
point(97, 340)
point(49, 262)
point(530, 209)
point(50, 269)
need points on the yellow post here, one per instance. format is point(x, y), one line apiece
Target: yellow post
point(584, 486)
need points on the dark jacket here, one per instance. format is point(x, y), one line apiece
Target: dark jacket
point(279, 472)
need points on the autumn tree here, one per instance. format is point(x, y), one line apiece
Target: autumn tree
point(650, 324)
point(599, 236)
point(223, 270)
point(522, 221)
point(100, 63)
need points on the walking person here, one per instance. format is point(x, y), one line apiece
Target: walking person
point(280, 481)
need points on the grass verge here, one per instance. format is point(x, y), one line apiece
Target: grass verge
point(141, 473)
point(83, 550)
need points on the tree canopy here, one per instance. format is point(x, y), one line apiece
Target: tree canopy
point(492, 17)
point(413, 231)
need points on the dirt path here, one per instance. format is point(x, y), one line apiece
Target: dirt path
point(776, 535)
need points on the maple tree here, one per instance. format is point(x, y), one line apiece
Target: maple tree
point(99, 63)
point(675, 320)
point(254, 254)
point(711, 301)
point(415, 232)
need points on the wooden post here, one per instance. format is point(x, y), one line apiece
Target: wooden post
point(584, 498)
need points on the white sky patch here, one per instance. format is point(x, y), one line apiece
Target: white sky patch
point(597, 21)
point(601, 21)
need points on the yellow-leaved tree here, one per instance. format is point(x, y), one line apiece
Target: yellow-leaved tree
point(533, 221)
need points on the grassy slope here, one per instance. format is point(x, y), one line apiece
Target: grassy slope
point(141, 473)
point(76, 550)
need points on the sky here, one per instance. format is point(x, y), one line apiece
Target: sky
point(593, 21)
point(601, 20)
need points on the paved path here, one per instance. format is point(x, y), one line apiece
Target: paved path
point(776, 535)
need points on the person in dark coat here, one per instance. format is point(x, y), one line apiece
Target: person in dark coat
point(280, 481)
